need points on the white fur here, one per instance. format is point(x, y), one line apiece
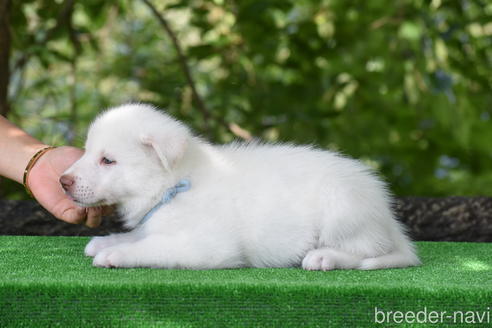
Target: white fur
point(250, 205)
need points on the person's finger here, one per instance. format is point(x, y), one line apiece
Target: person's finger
point(107, 210)
point(74, 215)
point(94, 215)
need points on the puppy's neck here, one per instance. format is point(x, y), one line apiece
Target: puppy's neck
point(198, 157)
point(136, 210)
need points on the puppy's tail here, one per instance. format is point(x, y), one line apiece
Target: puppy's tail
point(403, 256)
point(391, 260)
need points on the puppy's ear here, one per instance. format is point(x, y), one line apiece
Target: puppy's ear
point(169, 149)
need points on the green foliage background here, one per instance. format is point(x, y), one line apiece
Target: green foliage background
point(404, 85)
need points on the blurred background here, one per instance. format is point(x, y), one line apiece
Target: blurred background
point(403, 85)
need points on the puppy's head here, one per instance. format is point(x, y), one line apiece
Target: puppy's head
point(130, 151)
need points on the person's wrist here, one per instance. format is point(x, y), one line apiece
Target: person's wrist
point(17, 148)
point(21, 160)
point(32, 162)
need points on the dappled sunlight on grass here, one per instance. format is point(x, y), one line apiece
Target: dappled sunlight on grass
point(476, 265)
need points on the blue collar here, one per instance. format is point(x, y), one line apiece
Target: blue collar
point(182, 185)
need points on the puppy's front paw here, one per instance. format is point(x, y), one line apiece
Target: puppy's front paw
point(96, 245)
point(110, 258)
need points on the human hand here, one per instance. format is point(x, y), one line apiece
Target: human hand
point(44, 183)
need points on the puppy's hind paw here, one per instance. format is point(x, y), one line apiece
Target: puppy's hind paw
point(318, 260)
point(329, 259)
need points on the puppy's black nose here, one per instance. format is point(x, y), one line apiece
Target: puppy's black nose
point(67, 181)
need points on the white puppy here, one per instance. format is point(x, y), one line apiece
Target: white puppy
point(231, 206)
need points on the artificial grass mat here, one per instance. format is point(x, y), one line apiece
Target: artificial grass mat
point(47, 281)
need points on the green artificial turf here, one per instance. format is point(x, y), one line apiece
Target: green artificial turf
point(47, 281)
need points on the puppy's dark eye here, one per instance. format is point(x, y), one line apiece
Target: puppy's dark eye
point(106, 161)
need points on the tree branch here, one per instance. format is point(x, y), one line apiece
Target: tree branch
point(5, 46)
point(183, 61)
